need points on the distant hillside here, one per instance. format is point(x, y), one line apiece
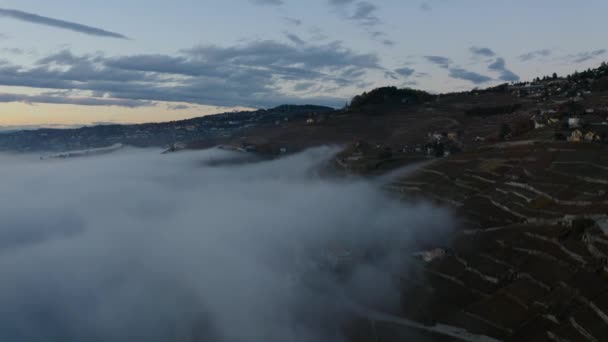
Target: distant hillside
point(153, 134)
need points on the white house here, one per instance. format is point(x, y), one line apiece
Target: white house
point(574, 122)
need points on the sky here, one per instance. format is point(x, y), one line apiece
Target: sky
point(69, 62)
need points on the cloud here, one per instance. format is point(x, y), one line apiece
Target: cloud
point(425, 6)
point(505, 74)
point(406, 72)
point(177, 107)
point(268, 2)
point(13, 51)
point(365, 14)
point(133, 245)
point(304, 86)
point(81, 101)
point(292, 21)
point(441, 61)
point(381, 37)
point(294, 38)
point(467, 75)
point(586, 55)
point(341, 2)
point(534, 55)
point(37, 19)
point(482, 51)
point(255, 74)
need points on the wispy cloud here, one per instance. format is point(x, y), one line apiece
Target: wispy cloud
point(294, 38)
point(482, 51)
point(586, 55)
point(443, 62)
point(292, 21)
point(365, 14)
point(13, 51)
point(535, 54)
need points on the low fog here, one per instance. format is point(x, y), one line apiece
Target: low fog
point(138, 246)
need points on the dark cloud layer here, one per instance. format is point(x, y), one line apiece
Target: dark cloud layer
point(136, 246)
point(62, 24)
point(250, 74)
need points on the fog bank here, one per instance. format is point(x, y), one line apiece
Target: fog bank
point(138, 246)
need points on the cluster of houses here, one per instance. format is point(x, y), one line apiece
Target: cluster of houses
point(541, 90)
point(591, 126)
point(578, 136)
point(442, 144)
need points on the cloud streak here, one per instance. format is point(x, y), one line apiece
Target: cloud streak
point(443, 62)
point(62, 24)
point(467, 75)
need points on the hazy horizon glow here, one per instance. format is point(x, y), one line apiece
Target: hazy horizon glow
point(63, 62)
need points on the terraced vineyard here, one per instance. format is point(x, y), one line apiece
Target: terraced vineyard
point(529, 262)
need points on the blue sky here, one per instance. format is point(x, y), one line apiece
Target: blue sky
point(67, 62)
